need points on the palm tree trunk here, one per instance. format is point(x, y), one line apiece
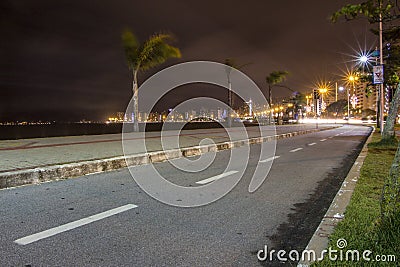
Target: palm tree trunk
point(229, 113)
point(270, 96)
point(135, 102)
point(390, 198)
point(270, 103)
point(388, 131)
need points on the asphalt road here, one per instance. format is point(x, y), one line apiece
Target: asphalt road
point(107, 220)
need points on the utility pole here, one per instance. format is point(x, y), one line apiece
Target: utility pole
point(228, 70)
point(336, 93)
point(348, 105)
point(229, 103)
point(381, 92)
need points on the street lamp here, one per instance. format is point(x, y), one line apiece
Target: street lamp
point(308, 97)
point(322, 92)
point(353, 79)
point(341, 88)
point(336, 88)
point(228, 70)
point(363, 59)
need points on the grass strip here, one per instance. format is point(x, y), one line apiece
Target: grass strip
point(361, 227)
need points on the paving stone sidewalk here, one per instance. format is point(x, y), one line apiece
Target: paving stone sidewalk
point(38, 152)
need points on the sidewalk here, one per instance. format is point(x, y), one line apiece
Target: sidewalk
point(22, 158)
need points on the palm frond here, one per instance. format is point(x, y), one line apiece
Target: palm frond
point(156, 50)
point(276, 77)
point(131, 48)
point(231, 63)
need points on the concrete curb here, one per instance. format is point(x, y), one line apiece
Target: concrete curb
point(71, 170)
point(320, 239)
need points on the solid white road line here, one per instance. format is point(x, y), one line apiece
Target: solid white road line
point(312, 144)
point(270, 159)
point(216, 177)
point(322, 140)
point(295, 150)
point(72, 225)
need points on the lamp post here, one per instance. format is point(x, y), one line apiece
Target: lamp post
point(322, 92)
point(352, 78)
point(365, 59)
point(348, 105)
point(382, 101)
point(336, 88)
point(228, 70)
point(308, 98)
point(341, 88)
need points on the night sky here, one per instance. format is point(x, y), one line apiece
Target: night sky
point(63, 60)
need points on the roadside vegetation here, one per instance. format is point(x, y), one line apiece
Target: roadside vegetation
point(372, 219)
point(364, 227)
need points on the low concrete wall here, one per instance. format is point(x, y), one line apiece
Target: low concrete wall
point(11, 132)
point(65, 171)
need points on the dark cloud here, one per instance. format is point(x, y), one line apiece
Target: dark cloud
point(63, 59)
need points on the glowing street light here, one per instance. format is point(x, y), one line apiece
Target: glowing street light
point(352, 78)
point(309, 99)
point(363, 59)
point(323, 91)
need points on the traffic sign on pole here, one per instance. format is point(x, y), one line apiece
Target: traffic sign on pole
point(378, 74)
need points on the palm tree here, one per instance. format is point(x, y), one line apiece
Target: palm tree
point(231, 64)
point(272, 79)
point(154, 51)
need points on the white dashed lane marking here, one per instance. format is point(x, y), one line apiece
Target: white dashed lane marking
point(72, 225)
point(269, 159)
point(216, 177)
